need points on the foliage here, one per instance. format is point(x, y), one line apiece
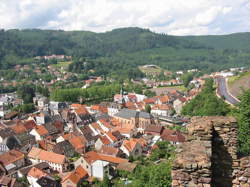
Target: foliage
point(164, 150)
point(118, 53)
point(206, 103)
point(186, 78)
point(243, 117)
point(148, 108)
point(25, 108)
point(149, 93)
point(26, 92)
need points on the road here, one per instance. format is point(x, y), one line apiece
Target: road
point(223, 92)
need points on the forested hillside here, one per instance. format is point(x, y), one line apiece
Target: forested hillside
point(231, 41)
point(121, 51)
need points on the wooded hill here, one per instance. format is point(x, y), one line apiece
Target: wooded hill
point(121, 51)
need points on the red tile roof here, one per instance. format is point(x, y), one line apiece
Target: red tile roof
point(30, 124)
point(11, 156)
point(36, 173)
point(92, 156)
point(40, 154)
point(172, 136)
point(76, 176)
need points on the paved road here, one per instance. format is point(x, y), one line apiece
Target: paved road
point(223, 92)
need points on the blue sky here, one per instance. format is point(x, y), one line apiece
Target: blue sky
point(176, 17)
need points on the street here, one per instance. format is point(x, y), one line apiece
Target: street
point(223, 92)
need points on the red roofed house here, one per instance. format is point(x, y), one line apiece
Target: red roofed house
point(56, 161)
point(132, 147)
point(74, 178)
point(12, 160)
point(174, 137)
point(178, 104)
point(97, 165)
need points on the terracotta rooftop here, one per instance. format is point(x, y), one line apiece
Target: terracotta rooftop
point(130, 144)
point(92, 156)
point(19, 129)
point(11, 156)
point(30, 124)
point(76, 176)
point(41, 130)
point(173, 136)
point(111, 136)
point(108, 150)
point(77, 142)
point(36, 173)
point(154, 128)
point(105, 140)
point(37, 153)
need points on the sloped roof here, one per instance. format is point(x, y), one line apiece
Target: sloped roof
point(154, 128)
point(36, 173)
point(130, 144)
point(108, 150)
point(173, 136)
point(11, 156)
point(76, 176)
point(126, 113)
point(41, 130)
point(37, 153)
point(92, 156)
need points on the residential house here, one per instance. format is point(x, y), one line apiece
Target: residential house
point(78, 143)
point(131, 147)
point(102, 140)
point(97, 165)
point(64, 148)
point(74, 178)
point(154, 130)
point(34, 175)
point(12, 160)
point(56, 161)
point(178, 104)
point(164, 110)
point(174, 137)
point(108, 150)
point(40, 132)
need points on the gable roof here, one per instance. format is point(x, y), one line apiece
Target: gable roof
point(11, 156)
point(30, 124)
point(105, 140)
point(77, 142)
point(92, 156)
point(76, 176)
point(37, 153)
point(19, 128)
point(173, 136)
point(126, 113)
point(36, 173)
point(41, 130)
point(154, 128)
point(130, 144)
point(108, 150)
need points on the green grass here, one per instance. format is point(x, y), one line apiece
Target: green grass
point(181, 88)
point(62, 64)
point(233, 79)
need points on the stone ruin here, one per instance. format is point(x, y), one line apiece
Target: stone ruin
point(209, 157)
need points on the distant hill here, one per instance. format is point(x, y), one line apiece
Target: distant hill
point(121, 51)
point(230, 41)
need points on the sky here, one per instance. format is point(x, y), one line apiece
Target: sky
point(174, 17)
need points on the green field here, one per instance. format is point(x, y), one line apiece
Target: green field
point(63, 65)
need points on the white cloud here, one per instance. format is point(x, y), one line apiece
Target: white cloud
point(178, 17)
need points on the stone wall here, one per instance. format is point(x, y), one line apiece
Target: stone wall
point(209, 157)
point(242, 173)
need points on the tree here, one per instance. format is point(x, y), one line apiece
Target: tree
point(205, 103)
point(148, 108)
point(243, 117)
point(186, 78)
